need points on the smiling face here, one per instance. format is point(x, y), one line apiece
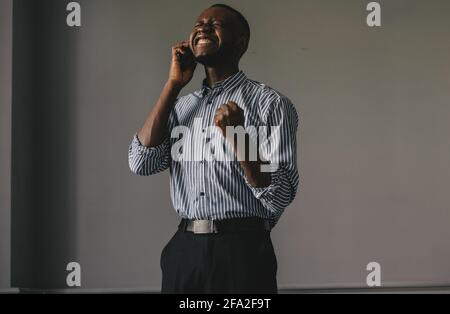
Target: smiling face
point(217, 37)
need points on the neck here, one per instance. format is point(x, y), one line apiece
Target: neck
point(220, 73)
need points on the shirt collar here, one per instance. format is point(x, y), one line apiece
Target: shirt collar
point(225, 85)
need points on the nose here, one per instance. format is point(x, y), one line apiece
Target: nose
point(206, 28)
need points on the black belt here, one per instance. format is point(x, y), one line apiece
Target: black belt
point(227, 225)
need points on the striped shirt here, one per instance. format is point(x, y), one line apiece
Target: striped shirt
point(217, 190)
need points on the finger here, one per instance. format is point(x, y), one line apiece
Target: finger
point(221, 110)
point(180, 50)
point(225, 109)
point(233, 106)
point(176, 53)
point(176, 48)
point(179, 45)
point(183, 46)
point(218, 122)
point(219, 119)
point(225, 112)
point(183, 50)
point(218, 115)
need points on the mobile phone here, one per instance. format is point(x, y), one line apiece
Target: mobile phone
point(186, 60)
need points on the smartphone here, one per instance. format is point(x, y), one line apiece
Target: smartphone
point(187, 60)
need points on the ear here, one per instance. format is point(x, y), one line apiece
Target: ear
point(242, 43)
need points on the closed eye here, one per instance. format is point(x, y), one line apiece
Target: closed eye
point(214, 23)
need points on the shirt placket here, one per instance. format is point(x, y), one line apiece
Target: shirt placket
point(202, 169)
point(207, 122)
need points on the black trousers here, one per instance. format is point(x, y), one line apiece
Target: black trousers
point(224, 263)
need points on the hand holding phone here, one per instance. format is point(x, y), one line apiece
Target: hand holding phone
point(183, 64)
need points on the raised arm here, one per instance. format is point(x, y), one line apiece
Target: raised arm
point(182, 69)
point(149, 151)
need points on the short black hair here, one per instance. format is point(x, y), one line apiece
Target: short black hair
point(240, 17)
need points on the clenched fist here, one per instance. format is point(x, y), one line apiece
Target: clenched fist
point(229, 114)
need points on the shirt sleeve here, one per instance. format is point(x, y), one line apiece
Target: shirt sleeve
point(146, 161)
point(280, 148)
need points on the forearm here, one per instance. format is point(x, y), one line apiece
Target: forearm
point(252, 169)
point(155, 127)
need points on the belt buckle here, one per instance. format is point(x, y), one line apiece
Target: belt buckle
point(203, 226)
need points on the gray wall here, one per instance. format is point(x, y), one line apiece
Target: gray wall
point(43, 138)
point(5, 140)
point(373, 139)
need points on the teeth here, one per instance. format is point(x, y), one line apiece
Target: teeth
point(204, 41)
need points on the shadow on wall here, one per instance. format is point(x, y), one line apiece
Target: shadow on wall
point(43, 163)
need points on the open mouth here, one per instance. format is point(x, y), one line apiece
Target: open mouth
point(203, 40)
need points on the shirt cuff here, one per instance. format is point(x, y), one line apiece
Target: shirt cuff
point(153, 151)
point(260, 192)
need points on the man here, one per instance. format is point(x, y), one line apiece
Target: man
point(228, 207)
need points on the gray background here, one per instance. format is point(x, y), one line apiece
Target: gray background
point(373, 139)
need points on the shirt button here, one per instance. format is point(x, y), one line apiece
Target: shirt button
point(202, 194)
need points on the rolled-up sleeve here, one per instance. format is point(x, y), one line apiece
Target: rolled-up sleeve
point(280, 149)
point(146, 161)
